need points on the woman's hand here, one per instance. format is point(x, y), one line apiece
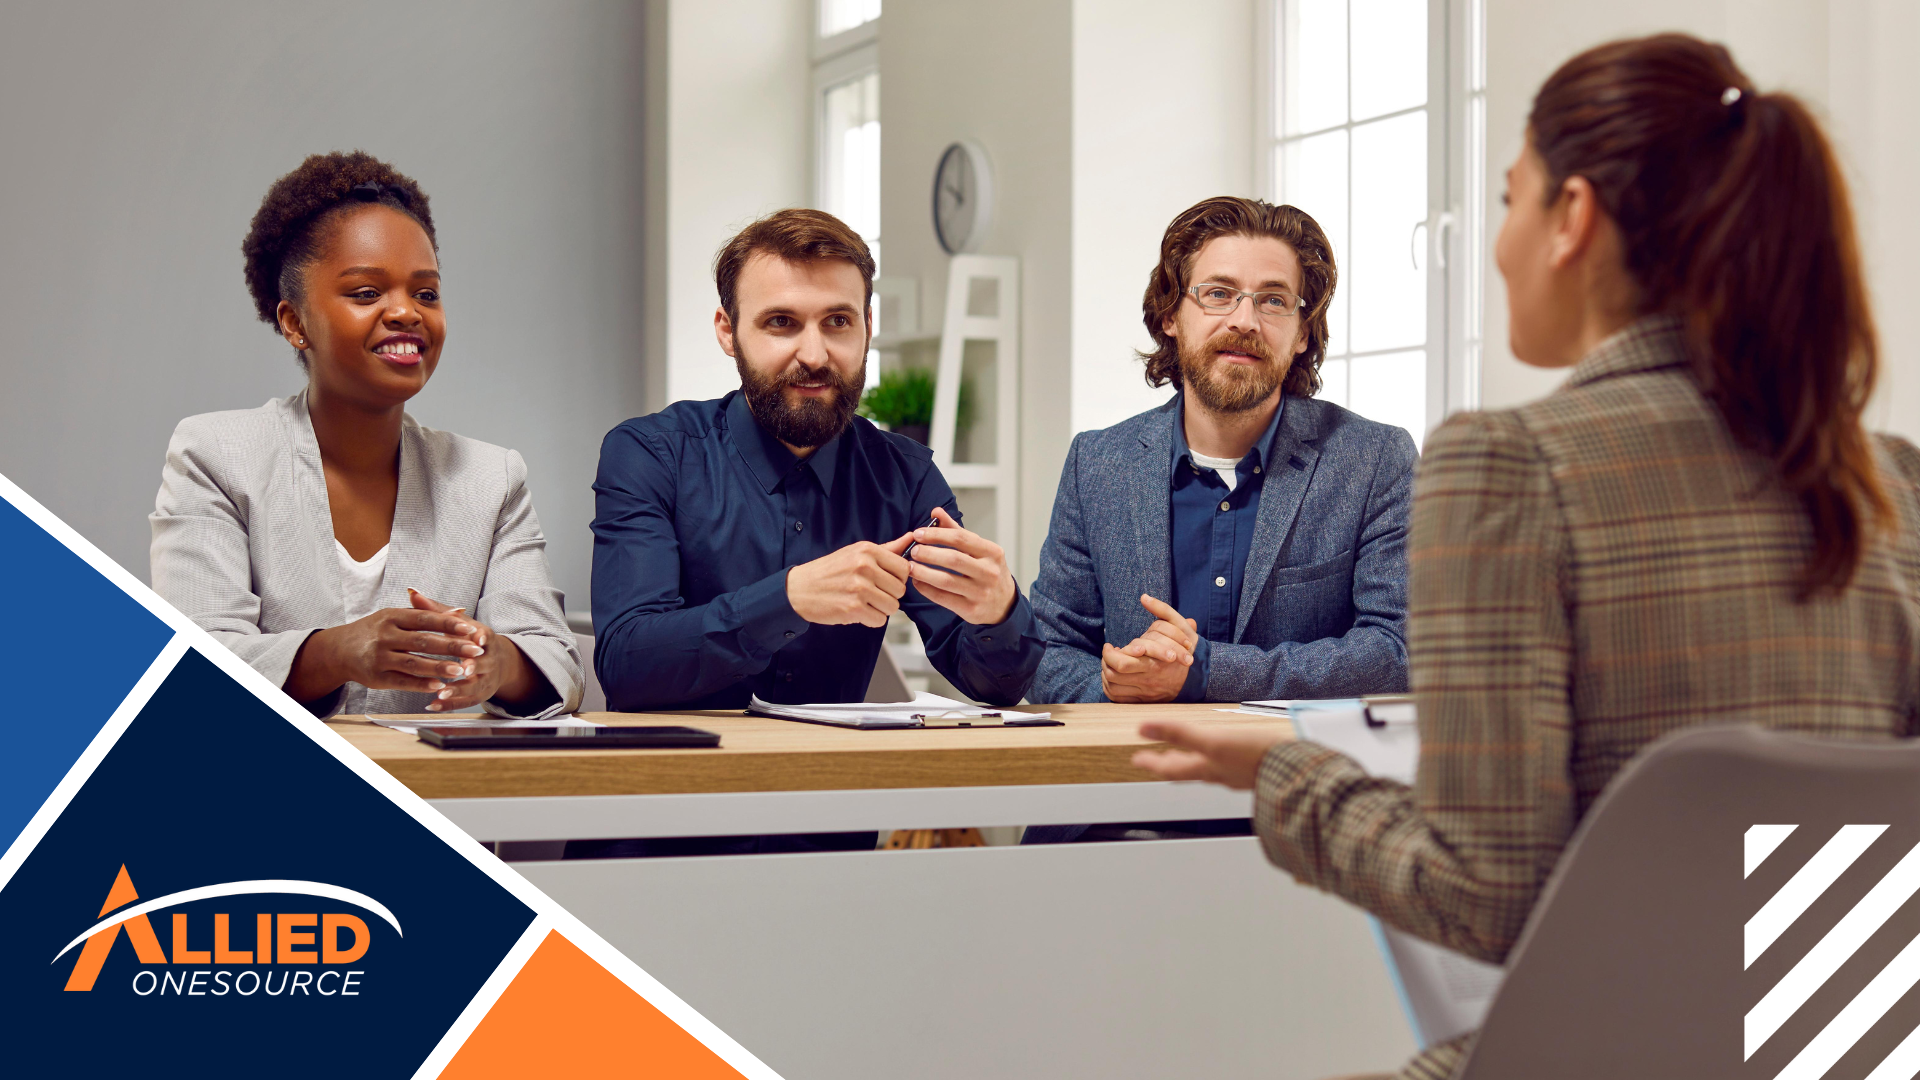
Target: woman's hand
point(499, 670)
point(378, 652)
point(1214, 753)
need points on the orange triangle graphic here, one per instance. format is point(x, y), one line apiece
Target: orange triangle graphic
point(565, 1015)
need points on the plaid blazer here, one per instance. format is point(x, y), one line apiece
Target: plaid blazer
point(1588, 573)
point(243, 545)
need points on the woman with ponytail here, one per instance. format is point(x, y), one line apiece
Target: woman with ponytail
point(1694, 529)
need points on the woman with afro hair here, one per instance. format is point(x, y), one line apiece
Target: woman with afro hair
point(356, 559)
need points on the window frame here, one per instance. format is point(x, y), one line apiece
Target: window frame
point(1454, 241)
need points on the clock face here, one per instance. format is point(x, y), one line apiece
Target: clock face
point(959, 198)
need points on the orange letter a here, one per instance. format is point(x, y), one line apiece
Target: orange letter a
point(93, 956)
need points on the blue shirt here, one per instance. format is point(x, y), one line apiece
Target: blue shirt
point(699, 512)
point(1212, 536)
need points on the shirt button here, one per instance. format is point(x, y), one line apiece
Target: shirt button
point(1223, 505)
point(786, 676)
point(1220, 582)
point(1256, 468)
point(799, 526)
point(789, 633)
point(989, 637)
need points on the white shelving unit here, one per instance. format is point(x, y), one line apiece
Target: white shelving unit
point(983, 307)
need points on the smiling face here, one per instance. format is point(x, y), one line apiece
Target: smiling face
point(1237, 360)
point(369, 321)
point(800, 345)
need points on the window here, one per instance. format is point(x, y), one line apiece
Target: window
point(1360, 120)
point(846, 92)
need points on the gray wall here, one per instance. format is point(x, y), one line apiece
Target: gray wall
point(140, 138)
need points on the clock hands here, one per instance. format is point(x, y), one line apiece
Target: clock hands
point(958, 198)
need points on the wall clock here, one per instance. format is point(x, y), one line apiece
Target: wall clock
point(962, 197)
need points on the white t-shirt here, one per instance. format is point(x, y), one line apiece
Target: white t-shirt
point(1226, 467)
point(360, 581)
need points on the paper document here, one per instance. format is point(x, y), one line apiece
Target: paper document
point(924, 711)
point(1445, 994)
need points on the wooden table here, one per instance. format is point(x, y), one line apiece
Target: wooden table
point(808, 777)
point(1149, 959)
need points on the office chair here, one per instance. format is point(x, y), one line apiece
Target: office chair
point(1631, 964)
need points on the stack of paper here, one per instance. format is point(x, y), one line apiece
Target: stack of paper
point(925, 710)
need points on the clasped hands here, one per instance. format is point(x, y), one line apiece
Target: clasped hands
point(381, 652)
point(862, 583)
point(1152, 667)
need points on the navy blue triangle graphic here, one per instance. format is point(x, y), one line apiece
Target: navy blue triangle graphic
point(71, 646)
point(207, 786)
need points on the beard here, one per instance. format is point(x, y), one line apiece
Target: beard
point(809, 421)
point(1231, 388)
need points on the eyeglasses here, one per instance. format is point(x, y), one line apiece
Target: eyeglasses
point(1221, 299)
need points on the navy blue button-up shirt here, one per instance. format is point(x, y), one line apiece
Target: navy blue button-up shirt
point(699, 513)
point(1212, 536)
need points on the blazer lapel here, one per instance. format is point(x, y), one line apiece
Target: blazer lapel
point(410, 545)
point(1153, 512)
point(315, 522)
point(1289, 470)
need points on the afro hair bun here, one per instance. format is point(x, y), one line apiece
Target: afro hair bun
point(284, 236)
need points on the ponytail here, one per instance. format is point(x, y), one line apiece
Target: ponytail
point(1735, 217)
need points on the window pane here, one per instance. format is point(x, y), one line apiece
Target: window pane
point(851, 145)
point(1389, 56)
point(1388, 294)
point(838, 16)
point(1391, 389)
point(1333, 382)
point(1313, 177)
point(1313, 83)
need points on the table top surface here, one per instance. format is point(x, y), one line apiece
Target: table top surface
point(1094, 744)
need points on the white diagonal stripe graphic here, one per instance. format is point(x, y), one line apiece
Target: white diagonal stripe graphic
point(1841, 942)
point(1813, 879)
point(1761, 840)
point(1861, 1013)
point(1903, 1063)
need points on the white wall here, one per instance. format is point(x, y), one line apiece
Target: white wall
point(140, 139)
point(1851, 59)
point(1873, 89)
point(736, 144)
point(1162, 118)
point(998, 71)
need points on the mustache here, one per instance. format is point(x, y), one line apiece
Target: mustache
point(797, 374)
point(1233, 341)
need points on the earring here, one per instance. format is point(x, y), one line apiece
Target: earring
point(300, 343)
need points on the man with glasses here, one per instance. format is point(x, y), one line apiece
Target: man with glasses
point(1245, 540)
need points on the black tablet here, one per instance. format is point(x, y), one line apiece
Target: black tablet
point(596, 737)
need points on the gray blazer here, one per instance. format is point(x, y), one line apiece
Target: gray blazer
point(1323, 604)
point(243, 544)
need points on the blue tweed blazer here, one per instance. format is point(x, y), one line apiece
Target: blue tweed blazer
point(1323, 607)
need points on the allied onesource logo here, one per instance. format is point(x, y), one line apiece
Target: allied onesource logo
point(291, 950)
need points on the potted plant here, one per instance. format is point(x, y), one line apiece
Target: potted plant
point(903, 401)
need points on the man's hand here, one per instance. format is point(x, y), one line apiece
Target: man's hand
point(979, 589)
point(1215, 753)
point(861, 583)
point(1152, 667)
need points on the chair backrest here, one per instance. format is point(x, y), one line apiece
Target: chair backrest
point(1631, 965)
point(593, 699)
